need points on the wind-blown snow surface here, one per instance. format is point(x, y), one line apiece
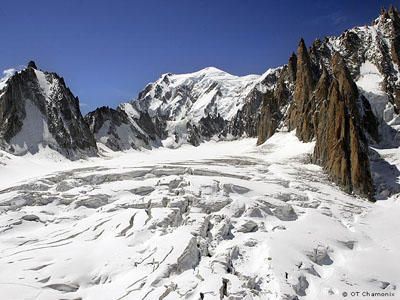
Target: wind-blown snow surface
point(223, 219)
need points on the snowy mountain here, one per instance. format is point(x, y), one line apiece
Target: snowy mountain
point(37, 110)
point(269, 205)
point(211, 104)
point(195, 107)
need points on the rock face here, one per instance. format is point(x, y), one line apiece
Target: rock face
point(276, 101)
point(370, 53)
point(345, 97)
point(247, 120)
point(303, 106)
point(332, 112)
point(115, 129)
point(270, 117)
point(341, 146)
point(38, 110)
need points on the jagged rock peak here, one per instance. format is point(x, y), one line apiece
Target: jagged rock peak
point(37, 110)
point(301, 48)
point(342, 74)
point(32, 64)
point(341, 146)
point(292, 67)
point(391, 13)
point(300, 115)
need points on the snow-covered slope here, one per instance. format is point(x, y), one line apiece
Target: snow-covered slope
point(224, 220)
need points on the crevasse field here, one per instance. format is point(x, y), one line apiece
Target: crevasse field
point(224, 218)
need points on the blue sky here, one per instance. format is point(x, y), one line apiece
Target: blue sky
point(109, 50)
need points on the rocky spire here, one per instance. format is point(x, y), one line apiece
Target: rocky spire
point(300, 117)
point(31, 64)
point(392, 11)
point(270, 117)
point(330, 111)
point(320, 97)
point(274, 101)
point(341, 147)
point(292, 67)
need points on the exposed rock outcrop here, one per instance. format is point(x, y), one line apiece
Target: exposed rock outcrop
point(345, 98)
point(32, 65)
point(302, 108)
point(270, 117)
point(326, 107)
point(275, 101)
point(341, 146)
point(115, 129)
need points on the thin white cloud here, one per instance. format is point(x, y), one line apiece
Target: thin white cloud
point(335, 18)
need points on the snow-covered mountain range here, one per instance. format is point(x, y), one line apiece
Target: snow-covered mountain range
point(38, 110)
point(188, 108)
point(118, 204)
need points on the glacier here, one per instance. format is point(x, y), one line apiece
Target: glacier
point(224, 219)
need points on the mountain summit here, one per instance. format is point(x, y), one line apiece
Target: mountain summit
point(38, 110)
